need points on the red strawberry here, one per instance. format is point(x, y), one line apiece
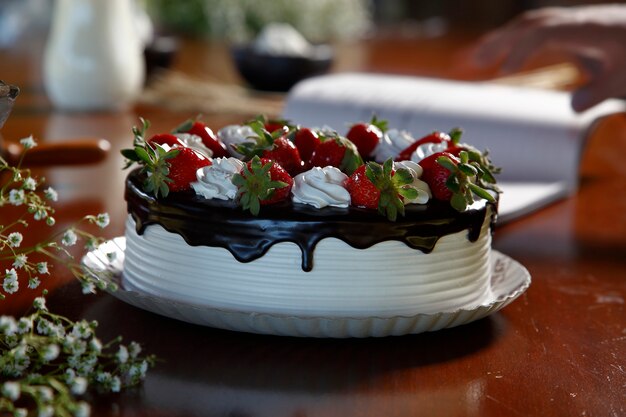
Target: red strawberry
point(183, 168)
point(165, 139)
point(273, 146)
point(306, 140)
point(435, 137)
point(436, 175)
point(208, 137)
point(375, 186)
point(285, 153)
point(366, 136)
point(336, 151)
point(261, 182)
point(274, 125)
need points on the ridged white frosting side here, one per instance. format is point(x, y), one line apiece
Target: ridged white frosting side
point(387, 279)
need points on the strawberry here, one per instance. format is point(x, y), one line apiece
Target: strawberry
point(459, 179)
point(274, 146)
point(336, 151)
point(183, 167)
point(375, 186)
point(366, 136)
point(434, 137)
point(165, 139)
point(306, 140)
point(166, 164)
point(436, 175)
point(195, 127)
point(262, 182)
point(272, 125)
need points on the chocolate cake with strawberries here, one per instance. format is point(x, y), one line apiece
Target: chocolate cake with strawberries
point(268, 217)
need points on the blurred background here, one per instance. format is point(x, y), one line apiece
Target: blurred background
point(317, 20)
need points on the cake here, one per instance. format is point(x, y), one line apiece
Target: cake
point(314, 245)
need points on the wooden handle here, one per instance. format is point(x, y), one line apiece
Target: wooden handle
point(78, 151)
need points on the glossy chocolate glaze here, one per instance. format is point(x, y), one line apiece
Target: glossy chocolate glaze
point(222, 224)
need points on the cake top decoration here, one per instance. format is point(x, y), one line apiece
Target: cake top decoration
point(263, 162)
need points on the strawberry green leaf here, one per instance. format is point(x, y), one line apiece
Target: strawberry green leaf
point(455, 134)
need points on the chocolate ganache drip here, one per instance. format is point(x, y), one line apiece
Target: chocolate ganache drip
point(218, 223)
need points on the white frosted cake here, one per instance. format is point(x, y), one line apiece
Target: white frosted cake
point(320, 249)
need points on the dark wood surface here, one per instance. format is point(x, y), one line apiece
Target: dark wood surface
point(559, 350)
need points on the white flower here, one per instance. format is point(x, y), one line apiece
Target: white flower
point(103, 220)
point(51, 194)
point(95, 345)
point(8, 326)
point(29, 184)
point(20, 260)
point(15, 239)
point(116, 384)
point(50, 221)
point(42, 267)
point(104, 377)
point(40, 303)
point(50, 352)
point(88, 287)
point(138, 371)
point(122, 354)
point(33, 283)
point(81, 330)
point(11, 390)
point(78, 386)
point(24, 325)
point(40, 214)
point(16, 197)
point(45, 393)
point(10, 284)
point(69, 238)
point(134, 349)
point(45, 411)
point(20, 412)
point(43, 326)
point(83, 409)
point(91, 244)
point(28, 142)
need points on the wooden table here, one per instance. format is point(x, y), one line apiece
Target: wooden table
point(559, 350)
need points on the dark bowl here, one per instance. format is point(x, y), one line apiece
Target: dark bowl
point(280, 72)
point(8, 93)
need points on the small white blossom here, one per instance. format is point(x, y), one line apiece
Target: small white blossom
point(88, 287)
point(11, 390)
point(42, 267)
point(15, 239)
point(50, 352)
point(40, 214)
point(104, 377)
point(50, 221)
point(33, 283)
point(91, 244)
point(16, 197)
point(20, 412)
point(10, 283)
point(51, 194)
point(134, 349)
point(24, 325)
point(82, 410)
point(20, 260)
point(8, 326)
point(40, 303)
point(95, 345)
point(69, 238)
point(78, 386)
point(28, 142)
point(43, 326)
point(81, 330)
point(116, 384)
point(122, 354)
point(45, 393)
point(139, 370)
point(102, 220)
point(45, 411)
point(29, 184)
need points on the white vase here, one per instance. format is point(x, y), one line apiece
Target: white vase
point(94, 56)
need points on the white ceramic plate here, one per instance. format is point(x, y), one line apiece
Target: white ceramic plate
point(509, 280)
